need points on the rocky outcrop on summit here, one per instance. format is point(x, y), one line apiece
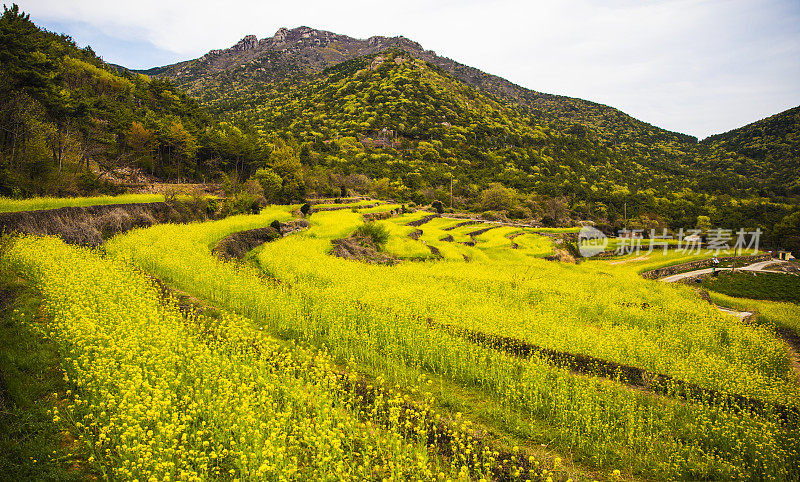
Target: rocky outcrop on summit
point(301, 50)
point(280, 36)
point(247, 43)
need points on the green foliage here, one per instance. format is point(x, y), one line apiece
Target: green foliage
point(703, 223)
point(766, 153)
point(271, 184)
point(240, 198)
point(276, 225)
point(240, 203)
point(497, 197)
point(67, 116)
point(760, 286)
point(787, 232)
point(377, 233)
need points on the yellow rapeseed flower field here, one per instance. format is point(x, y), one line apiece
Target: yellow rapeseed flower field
point(389, 319)
point(161, 396)
point(321, 368)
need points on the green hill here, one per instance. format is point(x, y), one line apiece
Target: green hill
point(767, 151)
point(395, 116)
point(414, 126)
point(301, 52)
point(67, 116)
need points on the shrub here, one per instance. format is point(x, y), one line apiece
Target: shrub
point(242, 203)
point(548, 222)
point(519, 212)
point(573, 250)
point(305, 209)
point(212, 206)
point(438, 206)
point(198, 203)
point(171, 193)
point(271, 184)
point(494, 216)
point(375, 232)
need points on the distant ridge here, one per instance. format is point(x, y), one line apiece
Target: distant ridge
point(307, 51)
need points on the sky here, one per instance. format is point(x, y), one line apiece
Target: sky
point(699, 67)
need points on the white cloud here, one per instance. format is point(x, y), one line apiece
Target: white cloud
point(696, 66)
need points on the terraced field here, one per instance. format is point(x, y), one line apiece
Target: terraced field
point(459, 240)
point(473, 358)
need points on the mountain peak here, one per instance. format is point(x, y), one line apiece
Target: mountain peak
point(298, 34)
point(247, 43)
point(280, 36)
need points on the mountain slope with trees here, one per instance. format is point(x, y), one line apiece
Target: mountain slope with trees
point(67, 116)
point(301, 52)
point(223, 80)
point(309, 112)
point(67, 119)
point(417, 131)
point(767, 151)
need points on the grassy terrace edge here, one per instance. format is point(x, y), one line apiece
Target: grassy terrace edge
point(43, 203)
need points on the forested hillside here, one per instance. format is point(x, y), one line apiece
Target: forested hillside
point(392, 116)
point(349, 106)
point(421, 134)
point(66, 115)
point(67, 118)
point(767, 151)
point(310, 112)
point(301, 52)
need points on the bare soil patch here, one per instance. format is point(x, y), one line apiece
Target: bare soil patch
point(632, 260)
point(361, 249)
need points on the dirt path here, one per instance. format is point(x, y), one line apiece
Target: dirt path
point(787, 337)
point(739, 314)
point(640, 258)
point(755, 267)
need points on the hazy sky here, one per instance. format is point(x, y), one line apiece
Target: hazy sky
point(694, 66)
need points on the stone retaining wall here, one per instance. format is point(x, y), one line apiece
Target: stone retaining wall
point(90, 225)
point(371, 217)
point(238, 244)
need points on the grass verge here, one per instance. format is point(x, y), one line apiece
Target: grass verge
point(32, 447)
point(757, 286)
